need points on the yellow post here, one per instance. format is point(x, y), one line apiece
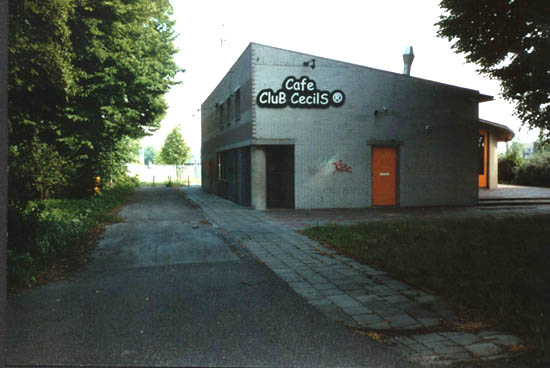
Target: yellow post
point(97, 180)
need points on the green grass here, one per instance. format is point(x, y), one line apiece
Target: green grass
point(498, 268)
point(148, 184)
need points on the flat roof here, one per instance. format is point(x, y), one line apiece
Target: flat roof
point(485, 98)
point(482, 97)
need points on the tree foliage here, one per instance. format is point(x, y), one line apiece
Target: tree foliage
point(85, 78)
point(510, 162)
point(36, 178)
point(113, 163)
point(510, 41)
point(125, 73)
point(149, 155)
point(41, 74)
point(174, 150)
point(535, 170)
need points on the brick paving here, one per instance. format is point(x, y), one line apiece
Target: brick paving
point(350, 292)
point(514, 191)
point(300, 219)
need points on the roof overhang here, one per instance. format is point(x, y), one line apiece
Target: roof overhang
point(501, 132)
point(485, 98)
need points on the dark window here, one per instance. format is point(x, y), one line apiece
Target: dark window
point(481, 153)
point(224, 166)
point(238, 104)
point(229, 117)
point(222, 116)
point(220, 168)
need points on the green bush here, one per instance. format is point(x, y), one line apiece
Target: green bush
point(508, 167)
point(535, 171)
point(509, 163)
point(21, 267)
point(41, 231)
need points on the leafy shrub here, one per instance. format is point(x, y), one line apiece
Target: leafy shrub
point(126, 181)
point(508, 166)
point(38, 168)
point(41, 231)
point(509, 163)
point(535, 171)
point(21, 267)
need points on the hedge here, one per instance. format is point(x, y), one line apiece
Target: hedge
point(42, 231)
point(535, 171)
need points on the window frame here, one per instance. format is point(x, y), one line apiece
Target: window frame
point(229, 112)
point(221, 117)
point(238, 104)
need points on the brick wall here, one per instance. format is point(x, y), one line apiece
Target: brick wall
point(233, 129)
point(434, 125)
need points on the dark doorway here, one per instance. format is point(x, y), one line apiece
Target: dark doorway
point(234, 175)
point(280, 176)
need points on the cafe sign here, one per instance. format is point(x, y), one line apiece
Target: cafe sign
point(300, 93)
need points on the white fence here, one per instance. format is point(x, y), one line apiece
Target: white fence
point(162, 173)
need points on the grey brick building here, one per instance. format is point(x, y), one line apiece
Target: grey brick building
point(286, 129)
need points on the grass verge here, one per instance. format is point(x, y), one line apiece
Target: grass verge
point(496, 269)
point(47, 238)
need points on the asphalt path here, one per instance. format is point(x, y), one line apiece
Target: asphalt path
point(166, 288)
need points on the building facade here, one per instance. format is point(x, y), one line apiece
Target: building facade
point(286, 129)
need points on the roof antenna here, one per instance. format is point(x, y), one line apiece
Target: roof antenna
point(221, 37)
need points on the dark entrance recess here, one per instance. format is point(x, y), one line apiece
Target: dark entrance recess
point(280, 176)
point(233, 173)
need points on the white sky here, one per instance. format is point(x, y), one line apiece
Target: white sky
point(370, 33)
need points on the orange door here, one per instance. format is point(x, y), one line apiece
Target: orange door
point(384, 176)
point(482, 157)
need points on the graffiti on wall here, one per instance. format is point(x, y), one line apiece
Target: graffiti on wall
point(340, 167)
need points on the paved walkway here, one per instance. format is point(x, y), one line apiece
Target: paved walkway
point(165, 289)
point(514, 191)
point(357, 295)
point(300, 219)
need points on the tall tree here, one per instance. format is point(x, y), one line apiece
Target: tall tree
point(124, 50)
point(174, 150)
point(41, 75)
point(40, 79)
point(510, 41)
point(84, 77)
point(113, 164)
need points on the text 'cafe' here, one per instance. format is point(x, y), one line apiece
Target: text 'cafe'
point(286, 129)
